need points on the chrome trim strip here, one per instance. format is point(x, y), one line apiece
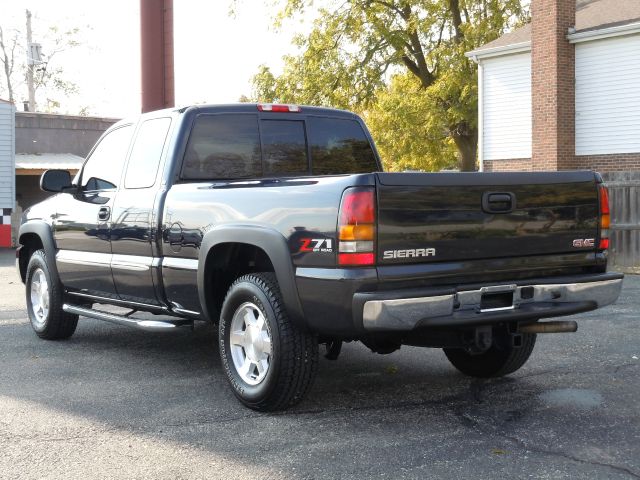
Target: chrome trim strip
point(180, 263)
point(404, 314)
point(136, 263)
point(336, 273)
point(77, 257)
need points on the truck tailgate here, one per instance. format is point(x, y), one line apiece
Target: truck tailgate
point(436, 217)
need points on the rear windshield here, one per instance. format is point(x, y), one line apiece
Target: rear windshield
point(228, 146)
point(339, 146)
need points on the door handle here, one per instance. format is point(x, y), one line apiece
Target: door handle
point(104, 213)
point(498, 202)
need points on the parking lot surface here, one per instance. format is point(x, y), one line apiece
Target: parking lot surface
point(112, 402)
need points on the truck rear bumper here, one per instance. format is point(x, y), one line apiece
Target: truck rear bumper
point(481, 305)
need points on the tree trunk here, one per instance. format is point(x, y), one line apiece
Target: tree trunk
point(8, 65)
point(466, 139)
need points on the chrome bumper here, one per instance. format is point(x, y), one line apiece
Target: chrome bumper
point(464, 307)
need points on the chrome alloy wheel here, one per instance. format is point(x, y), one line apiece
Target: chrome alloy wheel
point(39, 297)
point(250, 343)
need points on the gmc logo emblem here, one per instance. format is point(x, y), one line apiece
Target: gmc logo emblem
point(584, 242)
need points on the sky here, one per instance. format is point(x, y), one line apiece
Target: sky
point(215, 53)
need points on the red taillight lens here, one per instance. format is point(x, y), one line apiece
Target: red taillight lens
point(357, 208)
point(356, 259)
point(357, 227)
point(605, 218)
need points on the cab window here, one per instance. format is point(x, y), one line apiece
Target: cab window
point(340, 146)
point(223, 147)
point(146, 153)
point(103, 169)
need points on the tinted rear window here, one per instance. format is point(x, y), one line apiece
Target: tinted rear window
point(339, 146)
point(223, 146)
point(284, 147)
point(228, 146)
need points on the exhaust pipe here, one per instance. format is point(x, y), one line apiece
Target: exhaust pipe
point(549, 327)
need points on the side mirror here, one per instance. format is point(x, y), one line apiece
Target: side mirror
point(56, 181)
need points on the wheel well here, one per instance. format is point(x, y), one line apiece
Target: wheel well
point(30, 243)
point(226, 262)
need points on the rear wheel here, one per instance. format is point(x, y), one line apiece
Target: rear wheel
point(44, 301)
point(269, 361)
point(502, 358)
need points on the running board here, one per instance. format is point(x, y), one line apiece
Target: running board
point(147, 325)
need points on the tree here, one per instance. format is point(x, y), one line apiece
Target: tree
point(48, 77)
point(362, 54)
point(7, 56)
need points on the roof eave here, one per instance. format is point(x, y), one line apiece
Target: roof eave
point(601, 33)
point(484, 53)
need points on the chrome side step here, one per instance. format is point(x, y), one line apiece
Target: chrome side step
point(147, 325)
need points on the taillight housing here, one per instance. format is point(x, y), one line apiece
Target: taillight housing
point(357, 227)
point(605, 217)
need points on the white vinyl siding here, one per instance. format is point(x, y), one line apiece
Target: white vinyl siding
point(506, 107)
point(7, 148)
point(608, 96)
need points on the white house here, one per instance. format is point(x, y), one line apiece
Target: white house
point(563, 100)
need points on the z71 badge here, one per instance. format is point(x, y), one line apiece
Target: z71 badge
point(316, 245)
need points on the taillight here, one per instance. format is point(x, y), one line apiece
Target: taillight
point(272, 107)
point(357, 227)
point(605, 218)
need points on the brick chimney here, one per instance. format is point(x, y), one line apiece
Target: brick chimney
point(552, 84)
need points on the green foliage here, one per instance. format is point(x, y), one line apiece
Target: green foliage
point(400, 63)
point(406, 137)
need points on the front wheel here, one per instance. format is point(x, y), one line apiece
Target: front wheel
point(44, 301)
point(269, 361)
point(500, 359)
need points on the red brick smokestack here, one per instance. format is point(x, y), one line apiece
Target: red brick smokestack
point(553, 84)
point(156, 41)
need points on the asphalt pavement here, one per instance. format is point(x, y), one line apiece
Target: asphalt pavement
point(113, 402)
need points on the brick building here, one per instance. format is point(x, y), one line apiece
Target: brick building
point(563, 92)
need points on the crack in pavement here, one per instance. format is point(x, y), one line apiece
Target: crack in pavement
point(469, 421)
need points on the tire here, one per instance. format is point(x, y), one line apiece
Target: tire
point(44, 295)
point(498, 361)
point(269, 362)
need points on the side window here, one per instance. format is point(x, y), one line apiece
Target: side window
point(284, 147)
point(339, 146)
point(146, 152)
point(223, 146)
point(103, 169)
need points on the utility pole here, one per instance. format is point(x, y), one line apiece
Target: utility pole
point(31, 64)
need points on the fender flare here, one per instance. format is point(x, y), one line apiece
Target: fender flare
point(43, 230)
point(273, 243)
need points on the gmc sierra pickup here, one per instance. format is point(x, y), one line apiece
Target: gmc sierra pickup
point(277, 223)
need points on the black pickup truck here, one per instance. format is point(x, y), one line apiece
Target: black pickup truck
point(277, 223)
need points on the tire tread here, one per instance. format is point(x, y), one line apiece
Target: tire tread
point(60, 324)
point(492, 363)
point(298, 349)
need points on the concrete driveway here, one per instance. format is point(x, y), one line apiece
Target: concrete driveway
point(117, 403)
